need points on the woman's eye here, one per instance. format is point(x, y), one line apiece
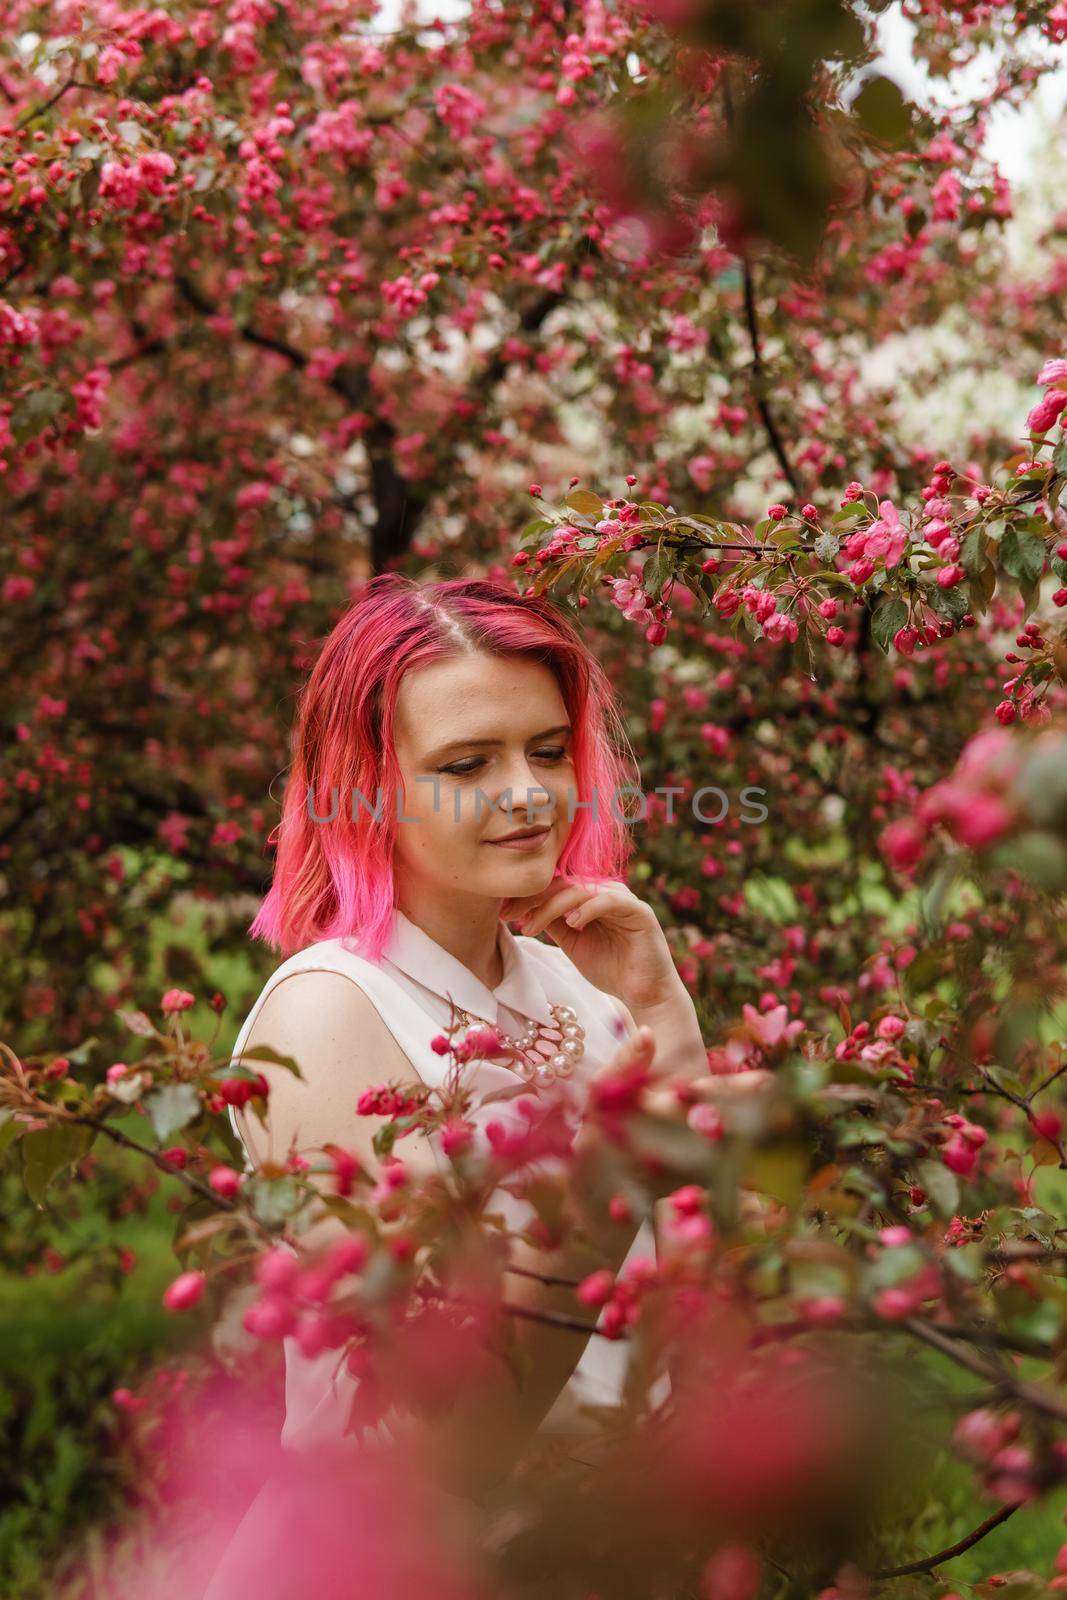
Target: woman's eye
point(464, 769)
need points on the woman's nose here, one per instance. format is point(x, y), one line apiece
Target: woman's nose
point(530, 800)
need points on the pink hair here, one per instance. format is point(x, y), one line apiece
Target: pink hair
point(336, 880)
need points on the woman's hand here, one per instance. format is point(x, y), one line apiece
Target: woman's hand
point(613, 938)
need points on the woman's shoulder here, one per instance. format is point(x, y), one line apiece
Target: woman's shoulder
point(326, 955)
point(328, 973)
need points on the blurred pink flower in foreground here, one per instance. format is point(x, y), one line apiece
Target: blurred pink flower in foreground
point(235, 1515)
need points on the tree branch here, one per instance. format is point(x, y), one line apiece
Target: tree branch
point(759, 373)
point(157, 1160)
point(40, 110)
point(928, 1563)
point(1029, 1393)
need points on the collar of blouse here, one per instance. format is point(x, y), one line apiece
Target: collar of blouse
point(413, 951)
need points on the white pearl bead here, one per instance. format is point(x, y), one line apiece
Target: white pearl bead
point(571, 1030)
point(572, 1048)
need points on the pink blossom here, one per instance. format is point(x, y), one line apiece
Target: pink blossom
point(456, 1137)
point(886, 537)
point(597, 1288)
point(946, 195)
point(128, 184)
point(270, 1317)
point(459, 108)
point(701, 469)
point(943, 147)
point(225, 1181)
point(902, 843)
point(895, 1303)
point(981, 1433)
point(277, 1269)
point(688, 1200)
point(778, 627)
point(823, 1310)
point(984, 819)
point(733, 1573)
point(185, 1291)
point(176, 1000)
point(90, 394)
point(706, 1120)
point(770, 1028)
point(685, 335)
point(959, 1156)
point(1044, 414)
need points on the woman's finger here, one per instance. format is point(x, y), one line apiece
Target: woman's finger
point(595, 905)
point(639, 1046)
point(533, 904)
point(557, 905)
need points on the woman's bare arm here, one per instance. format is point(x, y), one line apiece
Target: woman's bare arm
point(336, 1036)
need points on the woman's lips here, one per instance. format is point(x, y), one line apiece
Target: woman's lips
point(532, 842)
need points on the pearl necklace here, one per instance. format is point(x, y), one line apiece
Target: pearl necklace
point(544, 1052)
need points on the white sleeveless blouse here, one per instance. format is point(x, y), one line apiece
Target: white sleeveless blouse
point(410, 987)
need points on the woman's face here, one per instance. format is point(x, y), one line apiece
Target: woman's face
point(470, 731)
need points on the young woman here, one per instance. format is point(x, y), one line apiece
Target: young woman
point(458, 764)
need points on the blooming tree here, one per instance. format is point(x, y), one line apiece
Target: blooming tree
point(283, 300)
point(283, 296)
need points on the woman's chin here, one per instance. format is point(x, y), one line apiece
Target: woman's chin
point(524, 876)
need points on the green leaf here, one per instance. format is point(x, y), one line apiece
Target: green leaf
point(780, 1170)
point(849, 517)
point(940, 1185)
point(894, 1266)
point(172, 1107)
point(657, 570)
point(883, 111)
point(46, 1153)
point(935, 895)
point(138, 1022)
point(1038, 857)
point(952, 602)
point(679, 1148)
point(922, 972)
point(888, 617)
point(80, 1055)
point(1022, 554)
point(273, 1199)
point(585, 503)
point(972, 552)
point(264, 1052)
point(9, 1130)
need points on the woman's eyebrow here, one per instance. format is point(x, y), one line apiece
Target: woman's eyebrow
point(482, 742)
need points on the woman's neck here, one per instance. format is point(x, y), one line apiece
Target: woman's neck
point(470, 934)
